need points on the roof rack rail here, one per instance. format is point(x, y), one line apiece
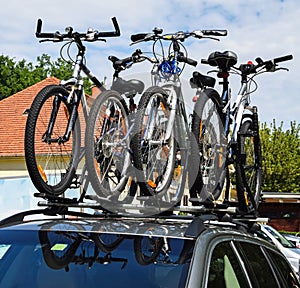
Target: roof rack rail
point(49, 211)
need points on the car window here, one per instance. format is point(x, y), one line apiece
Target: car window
point(287, 277)
point(224, 269)
point(258, 266)
point(31, 259)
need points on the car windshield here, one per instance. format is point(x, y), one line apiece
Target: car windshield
point(285, 242)
point(74, 259)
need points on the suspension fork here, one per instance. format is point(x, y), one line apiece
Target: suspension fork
point(55, 106)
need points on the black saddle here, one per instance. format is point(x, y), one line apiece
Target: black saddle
point(200, 81)
point(223, 60)
point(128, 87)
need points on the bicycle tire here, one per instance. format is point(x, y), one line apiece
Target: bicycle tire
point(208, 149)
point(51, 166)
point(147, 249)
point(107, 242)
point(249, 167)
point(153, 158)
point(107, 155)
point(59, 247)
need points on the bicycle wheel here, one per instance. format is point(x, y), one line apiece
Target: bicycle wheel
point(208, 149)
point(147, 248)
point(59, 247)
point(107, 242)
point(107, 146)
point(51, 162)
point(153, 155)
point(249, 167)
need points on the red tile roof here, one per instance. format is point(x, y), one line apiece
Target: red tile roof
point(12, 120)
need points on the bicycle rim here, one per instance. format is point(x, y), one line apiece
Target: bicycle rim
point(107, 146)
point(153, 155)
point(51, 164)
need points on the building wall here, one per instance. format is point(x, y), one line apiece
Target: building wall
point(282, 216)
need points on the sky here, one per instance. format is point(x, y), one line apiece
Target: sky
point(264, 28)
point(268, 29)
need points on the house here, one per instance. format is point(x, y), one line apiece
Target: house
point(16, 188)
point(282, 209)
point(13, 118)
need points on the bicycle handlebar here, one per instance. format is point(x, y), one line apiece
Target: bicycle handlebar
point(270, 65)
point(121, 64)
point(180, 35)
point(90, 35)
point(182, 58)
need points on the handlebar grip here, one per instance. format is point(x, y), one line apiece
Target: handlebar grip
point(283, 58)
point(115, 33)
point(204, 61)
point(187, 60)
point(123, 61)
point(113, 58)
point(137, 37)
point(214, 32)
point(116, 25)
point(39, 34)
point(38, 27)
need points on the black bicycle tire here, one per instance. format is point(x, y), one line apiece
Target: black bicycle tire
point(99, 188)
point(196, 184)
point(48, 248)
point(29, 143)
point(248, 202)
point(145, 188)
point(107, 247)
point(140, 256)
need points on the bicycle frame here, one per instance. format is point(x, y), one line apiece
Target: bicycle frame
point(234, 112)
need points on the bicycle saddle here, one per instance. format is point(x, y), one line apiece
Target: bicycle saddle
point(199, 81)
point(223, 60)
point(128, 87)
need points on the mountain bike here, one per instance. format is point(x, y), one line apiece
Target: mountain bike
point(107, 139)
point(53, 129)
point(227, 134)
point(161, 138)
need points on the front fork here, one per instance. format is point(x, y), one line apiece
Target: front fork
point(71, 115)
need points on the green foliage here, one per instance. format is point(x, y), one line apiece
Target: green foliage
point(281, 157)
point(16, 76)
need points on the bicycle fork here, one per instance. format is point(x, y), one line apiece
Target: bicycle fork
point(70, 115)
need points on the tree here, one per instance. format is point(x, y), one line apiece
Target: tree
point(16, 76)
point(281, 157)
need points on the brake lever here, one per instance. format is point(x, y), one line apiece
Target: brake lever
point(282, 68)
point(210, 37)
point(213, 71)
point(51, 40)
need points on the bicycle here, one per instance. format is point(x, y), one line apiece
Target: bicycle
point(227, 134)
point(110, 123)
point(52, 135)
point(161, 138)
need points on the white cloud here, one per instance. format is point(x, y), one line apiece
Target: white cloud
point(266, 28)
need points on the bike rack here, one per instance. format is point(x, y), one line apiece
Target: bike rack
point(103, 206)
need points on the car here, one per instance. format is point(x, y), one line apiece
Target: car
point(293, 238)
point(55, 247)
point(289, 249)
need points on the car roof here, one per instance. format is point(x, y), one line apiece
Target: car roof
point(185, 226)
